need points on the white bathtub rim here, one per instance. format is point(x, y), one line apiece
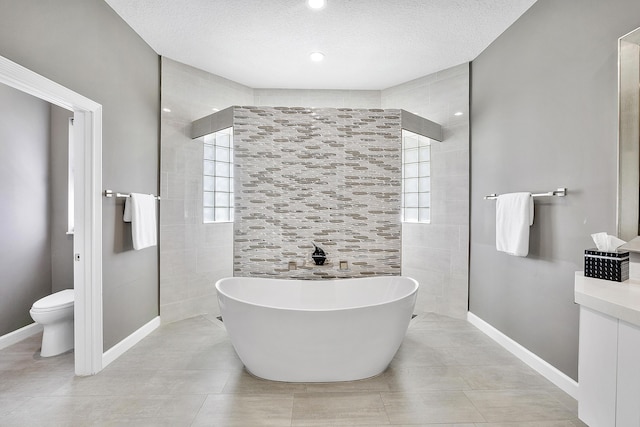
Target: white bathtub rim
point(319, 310)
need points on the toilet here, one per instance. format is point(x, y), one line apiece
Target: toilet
point(55, 313)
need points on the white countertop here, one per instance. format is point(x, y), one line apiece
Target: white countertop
point(617, 299)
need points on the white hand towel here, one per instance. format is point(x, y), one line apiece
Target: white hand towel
point(140, 211)
point(514, 216)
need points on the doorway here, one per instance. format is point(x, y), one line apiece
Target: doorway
point(87, 239)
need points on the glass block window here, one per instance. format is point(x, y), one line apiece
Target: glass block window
point(416, 177)
point(218, 176)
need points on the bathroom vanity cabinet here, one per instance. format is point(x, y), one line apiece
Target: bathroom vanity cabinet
point(609, 353)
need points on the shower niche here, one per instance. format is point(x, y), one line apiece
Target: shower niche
point(332, 176)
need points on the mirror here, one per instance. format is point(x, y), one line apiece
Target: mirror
point(629, 140)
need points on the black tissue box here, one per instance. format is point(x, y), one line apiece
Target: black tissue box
point(606, 265)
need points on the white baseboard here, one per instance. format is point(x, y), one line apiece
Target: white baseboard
point(20, 334)
point(567, 384)
point(119, 349)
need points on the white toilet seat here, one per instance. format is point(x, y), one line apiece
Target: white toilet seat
point(57, 301)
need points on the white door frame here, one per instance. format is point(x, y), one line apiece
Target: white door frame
point(87, 238)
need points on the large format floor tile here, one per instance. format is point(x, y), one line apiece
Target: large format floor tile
point(241, 410)
point(431, 407)
point(321, 409)
point(446, 374)
point(519, 405)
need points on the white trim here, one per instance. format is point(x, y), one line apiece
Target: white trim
point(119, 349)
point(87, 238)
point(567, 384)
point(70, 178)
point(27, 81)
point(87, 241)
point(18, 335)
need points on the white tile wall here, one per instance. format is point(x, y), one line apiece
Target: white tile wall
point(317, 98)
point(194, 255)
point(437, 254)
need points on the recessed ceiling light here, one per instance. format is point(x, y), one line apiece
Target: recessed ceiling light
point(316, 56)
point(459, 113)
point(316, 4)
point(166, 110)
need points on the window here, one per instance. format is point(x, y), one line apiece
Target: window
point(416, 178)
point(218, 176)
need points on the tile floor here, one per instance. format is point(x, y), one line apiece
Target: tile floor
point(446, 373)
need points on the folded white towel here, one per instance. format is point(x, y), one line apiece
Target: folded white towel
point(140, 211)
point(514, 216)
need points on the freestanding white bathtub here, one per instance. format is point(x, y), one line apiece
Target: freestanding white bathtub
point(316, 330)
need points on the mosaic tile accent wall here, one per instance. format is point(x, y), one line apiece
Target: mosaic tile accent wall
point(325, 175)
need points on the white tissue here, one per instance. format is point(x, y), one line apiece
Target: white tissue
point(606, 243)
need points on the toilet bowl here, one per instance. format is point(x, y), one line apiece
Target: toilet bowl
point(55, 313)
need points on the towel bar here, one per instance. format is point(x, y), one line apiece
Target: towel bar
point(560, 192)
point(110, 193)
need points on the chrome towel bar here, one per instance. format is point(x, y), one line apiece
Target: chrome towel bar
point(110, 193)
point(560, 192)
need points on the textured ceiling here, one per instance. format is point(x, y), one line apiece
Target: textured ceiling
point(370, 44)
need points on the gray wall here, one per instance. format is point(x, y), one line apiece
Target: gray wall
point(85, 46)
point(25, 250)
point(544, 115)
point(61, 242)
point(437, 254)
point(35, 251)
